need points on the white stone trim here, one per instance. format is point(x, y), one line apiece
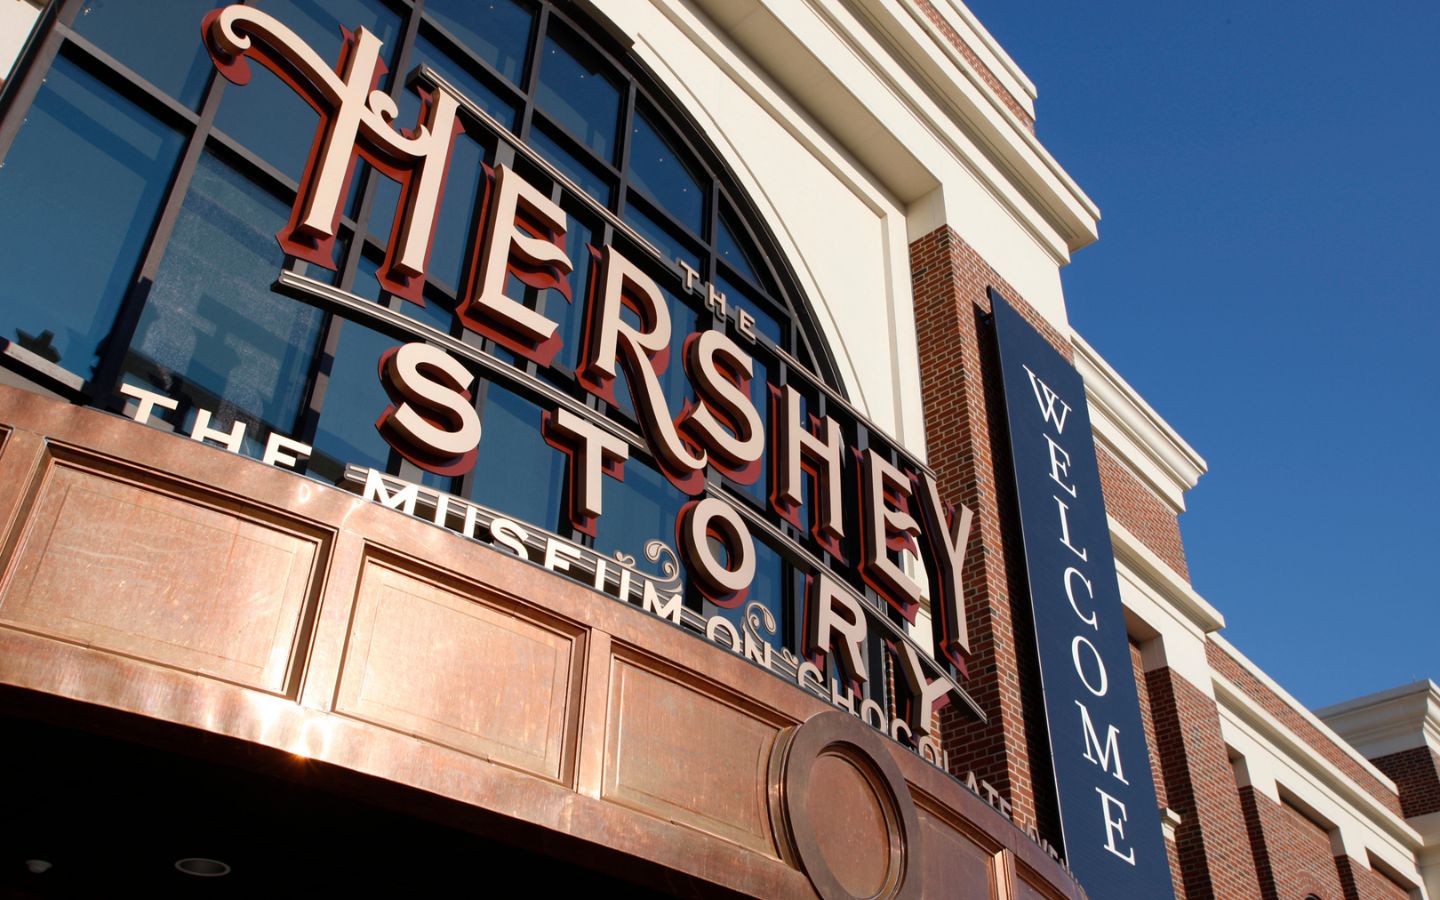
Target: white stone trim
point(1134, 432)
point(1401, 718)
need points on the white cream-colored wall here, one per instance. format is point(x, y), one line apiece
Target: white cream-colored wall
point(837, 119)
point(17, 17)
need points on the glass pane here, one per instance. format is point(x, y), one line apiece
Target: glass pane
point(354, 400)
point(498, 31)
point(577, 93)
point(765, 323)
point(429, 54)
point(160, 41)
point(658, 170)
point(270, 118)
point(640, 509)
point(463, 177)
point(767, 589)
point(213, 334)
point(742, 257)
point(597, 186)
point(667, 243)
point(571, 315)
point(517, 473)
point(80, 188)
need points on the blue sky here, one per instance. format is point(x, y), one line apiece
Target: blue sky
point(1266, 277)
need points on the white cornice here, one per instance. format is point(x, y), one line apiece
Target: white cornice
point(1001, 133)
point(1300, 709)
point(963, 121)
point(1164, 580)
point(1401, 718)
point(1237, 703)
point(1134, 431)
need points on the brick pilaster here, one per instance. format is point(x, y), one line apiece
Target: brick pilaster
point(964, 426)
point(1214, 847)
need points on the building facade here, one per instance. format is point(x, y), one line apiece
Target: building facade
point(608, 444)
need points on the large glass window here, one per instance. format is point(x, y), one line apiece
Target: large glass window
point(497, 31)
point(516, 472)
point(213, 333)
point(577, 92)
point(267, 116)
point(143, 246)
point(658, 169)
point(80, 189)
point(354, 400)
point(160, 41)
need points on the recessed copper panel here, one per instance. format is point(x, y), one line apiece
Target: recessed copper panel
point(130, 567)
point(851, 825)
point(720, 788)
point(955, 866)
point(430, 661)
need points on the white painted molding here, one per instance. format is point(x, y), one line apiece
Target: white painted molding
point(1301, 710)
point(1165, 581)
point(1237, 710)
point(989, 50)
point(1400, 718)
point(967, 123)
point(1134, 432)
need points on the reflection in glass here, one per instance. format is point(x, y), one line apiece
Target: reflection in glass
point(641, 509)
point(745, 299)
point(740, 254)
point(769, 589)
point(498, 31)
point(575, 170)
point(213, 334)
point(160, 41)
point(354, 400)
point(578, 94)
point(670, 247)
point(429, 54)
point(516, 472)
point(658, 170)
point(81, 185)
point(271, 119)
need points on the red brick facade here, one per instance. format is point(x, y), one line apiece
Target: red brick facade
point(1268, 700)
point(1293, 855)
point(1230, 842)
point(960, 384)
point(1416, 773)
point(1213, 844)
point(1143, 514)
point(977, 64)
point(1361, 883)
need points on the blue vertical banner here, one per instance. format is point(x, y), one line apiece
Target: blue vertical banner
point(1109, 816)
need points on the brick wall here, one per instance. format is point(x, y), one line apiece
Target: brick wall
point(1293, 855)
point(977, 64)
point(1416, 772)
point(1212, 841)
point(1229, 667)
point(1145, 515)
point(964, 427)
point(1362, 883)
point(1172, 850)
